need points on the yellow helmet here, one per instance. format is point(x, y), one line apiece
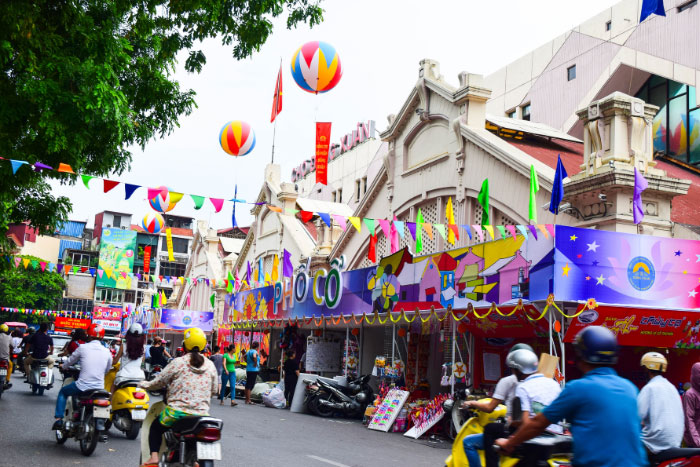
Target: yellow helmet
point(4, 328)
point(654, 361)
point(194, 337)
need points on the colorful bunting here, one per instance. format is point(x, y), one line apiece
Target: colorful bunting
point(325, 217)
point(384, 224)
point(275, 268)
point(511, 229)
point(306, 216)
point(412, 229)
point(218, 203)
point(370, 225)
point(419, 231)
point(198, 201)
point(468, 230)
point(287, 268)
point(428, 227)
point(534, 188)
point(450, 216)
point(355, 221)
point(483, 199)
point(109, 184)
point(65, 168)
point(86, 180)
point(341, 220)
point(502, 230)
point(489, 229)
point(523, 231)
point(16, 165)
point(129, 190)
point(372, 251)
point(441, 230)
point(533, 230)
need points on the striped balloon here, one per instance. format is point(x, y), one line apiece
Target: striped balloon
point(152, 222)
point(164, 201)
point(316, 67)
point(237, 138)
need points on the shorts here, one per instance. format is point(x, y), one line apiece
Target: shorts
point(170, 415)
point(250, 378)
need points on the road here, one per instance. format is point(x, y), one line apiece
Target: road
point(253, 436)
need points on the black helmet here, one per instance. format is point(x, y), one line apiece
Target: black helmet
point(596, 345)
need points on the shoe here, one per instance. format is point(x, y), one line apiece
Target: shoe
point(57, 425)
point(233, 403)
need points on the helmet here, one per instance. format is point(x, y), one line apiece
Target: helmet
point(135, 329)
point(525, 361)
point(4, 328)
point(654, 361)
point(596, 345)
point(509, 360)
point(194, 337)
point(31, 330)
point(96, 331)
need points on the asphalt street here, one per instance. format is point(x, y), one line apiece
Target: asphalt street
point(253, 436)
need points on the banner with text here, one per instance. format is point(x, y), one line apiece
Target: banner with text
point(185, 319)
point(323, 138)
point(117, 252)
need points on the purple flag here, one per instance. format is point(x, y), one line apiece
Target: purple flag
point(533, 229)
point(412, 228)
point(640, 184)
point(287, 268)
point(248, 274)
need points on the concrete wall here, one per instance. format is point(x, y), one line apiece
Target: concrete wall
point(45, 248)
point(80, 286)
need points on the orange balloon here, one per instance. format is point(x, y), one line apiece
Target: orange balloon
point(355, 332)
point(462, 328)
point(401, 332)
point(557, 326)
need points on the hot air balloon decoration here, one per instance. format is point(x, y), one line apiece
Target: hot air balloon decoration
point(152, 222)
point(316, 67)
point(164, 201)
point(237, 138)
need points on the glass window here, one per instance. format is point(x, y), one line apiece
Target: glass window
point(694, 136)
point(180, 245)
point(678, 128)
point(117, 222)
point(511, 114)
point(526, 112)
point(109, 295)
point(76, 304)
point(571, 72)
point(364, 184)
point(171, 269)
point(676, 89)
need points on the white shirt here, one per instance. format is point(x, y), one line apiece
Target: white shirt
point(95, 361)
point(535, 393)
point(130, 369)
point(17, 343)
point(661, 411)
point(505, 391)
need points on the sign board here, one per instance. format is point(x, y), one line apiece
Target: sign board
point(71, 323)
point(109, 324)
point(106, 312)
point(322, 355)
point(185, 319)
point(417, 432)
point(117, 252)
point(388, 410)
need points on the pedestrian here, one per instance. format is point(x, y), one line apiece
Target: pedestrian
point(147, 349)
point(229, 375)
point(291, 375)
point(660, 408)
point(252, 370)
point(218, 361)
point(691, 408)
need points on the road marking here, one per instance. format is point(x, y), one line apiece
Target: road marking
point(327, 461)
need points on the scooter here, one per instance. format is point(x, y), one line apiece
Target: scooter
point(40, 376)
point(129, 405)
point(191, 441)
point(325, 397)
point(86, 416)
point(676, 457)
point(558, 453)
point(454, 413)
point(4, 369)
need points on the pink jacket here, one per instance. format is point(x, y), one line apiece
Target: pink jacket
point(691, 408)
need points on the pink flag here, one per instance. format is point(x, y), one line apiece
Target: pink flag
point(385, 227)
point(511, 229)
point(550, 228)
point(188, 299)
point(218, 203)
point(17, 261)
point(153, 192)
point(479, 232)
point(100, 272)
point(43, 265)
point(393, 238)
point(341, 220)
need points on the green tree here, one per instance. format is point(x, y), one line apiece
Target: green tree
point(82, 81)
point(30, 287)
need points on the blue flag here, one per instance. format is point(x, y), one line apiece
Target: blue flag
point(233, 214)
point(558, 187)
point(652, 7)
point(326, 218)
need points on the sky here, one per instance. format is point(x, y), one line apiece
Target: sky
point(380, 44)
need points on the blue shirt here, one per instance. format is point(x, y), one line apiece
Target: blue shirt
point(602, 410)
point(252, 361)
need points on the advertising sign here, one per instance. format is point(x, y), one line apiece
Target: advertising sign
point(109, 324)
point(71, 323)
point(105, 312)
point(147, 259)
point(323, 139)
point(642, 327)
point(184, 319)
point(626, 269)
point(117, 252)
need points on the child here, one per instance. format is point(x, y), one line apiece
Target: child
point(291, 375)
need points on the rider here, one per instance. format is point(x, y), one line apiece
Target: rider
point(6, 350)
point(601, 407)
point(41, 345)
point(78, 337)
point(95, 361)
point(131, 359)
point(504, 392)
point(158, 352)
point(659, 407)
point(191, 380)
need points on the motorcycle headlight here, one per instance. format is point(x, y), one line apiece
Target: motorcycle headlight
point(448, 404)
point(362, 397)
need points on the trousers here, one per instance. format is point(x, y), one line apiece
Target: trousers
point(63, 395)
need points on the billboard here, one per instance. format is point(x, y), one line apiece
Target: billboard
point(117, 252)
point(71, 323)
point(184, 319)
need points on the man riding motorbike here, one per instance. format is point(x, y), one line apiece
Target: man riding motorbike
point(190, 380)
point(504, 393)
point(41, 346)
point(601, 407)
point(95, 361)
point(6, 351)
point(659, 407)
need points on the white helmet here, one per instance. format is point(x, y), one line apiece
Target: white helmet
point(524, 361)
point(135, 329)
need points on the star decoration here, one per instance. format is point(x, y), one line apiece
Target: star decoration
point(600, 280)
point(685, 272)
point(593, 247)
point(588, 278)
point(565, 270)
point(692, 293)
point(574, 237)
point(595, 263)
point(678, 253)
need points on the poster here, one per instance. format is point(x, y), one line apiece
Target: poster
point(116, 263)
point(492, 366)
point(388, 410)
point(71, 323)
point(184, 319)
point(642, 327)
point(323, 139)
point(626, 269)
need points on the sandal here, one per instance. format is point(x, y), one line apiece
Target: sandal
point(233, 403)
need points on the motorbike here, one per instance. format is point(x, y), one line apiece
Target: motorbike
point(677, 457)
point(40, 377)
point(152, 371)
point(455, 415)
point(325, 397)
point(129, 405)
point(557, 453)
point(4, 369)
point(191, 441)
point(86, 416)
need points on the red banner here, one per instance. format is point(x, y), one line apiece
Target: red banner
point(642, 326)
point(147, 260)
point(71, 323)
point(323, 138)
point(498, 326)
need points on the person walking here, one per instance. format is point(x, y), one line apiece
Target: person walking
point(252, 369)
point(229, 375)
point(218, 360)
point(691, 409)
point(291, 375)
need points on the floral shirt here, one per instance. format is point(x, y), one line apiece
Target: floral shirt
point(189, 389)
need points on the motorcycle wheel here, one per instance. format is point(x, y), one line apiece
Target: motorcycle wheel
point(320, 409)
point(192, 461)
point(89, 443)
point(133, 432)
point(61, 437)
point(40, 390)
point(35, 388)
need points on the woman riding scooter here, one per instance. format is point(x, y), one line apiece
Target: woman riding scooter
point(130, 361)
point(190, 380)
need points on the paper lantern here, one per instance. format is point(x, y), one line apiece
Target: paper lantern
point(355, 332)
point(152, 222)
point(401, 332)
point(316, 67)
point(462, 328)
point(318, 332)
point(163, 202)
point(237, 138)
